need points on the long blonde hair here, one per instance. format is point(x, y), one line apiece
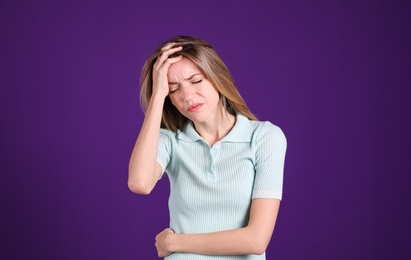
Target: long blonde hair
point(213, 68)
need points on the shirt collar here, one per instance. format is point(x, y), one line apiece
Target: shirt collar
point(241, 132)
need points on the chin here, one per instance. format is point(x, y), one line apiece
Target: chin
point(194, 117)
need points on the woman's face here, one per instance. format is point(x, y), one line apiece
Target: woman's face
point(191, 93)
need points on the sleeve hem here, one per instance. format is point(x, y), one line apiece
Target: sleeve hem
point(267, 195)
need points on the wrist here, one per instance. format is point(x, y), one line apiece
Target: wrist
point(158, 96)
point(156, 100)
point(173, 245)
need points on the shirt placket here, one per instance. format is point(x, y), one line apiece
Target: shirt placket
point(211, 162)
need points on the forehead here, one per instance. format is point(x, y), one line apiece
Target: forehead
point(183, 69)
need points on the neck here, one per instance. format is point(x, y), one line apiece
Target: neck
point(216, 128)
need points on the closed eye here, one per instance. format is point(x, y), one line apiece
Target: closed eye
point(197, 81)
point(174, 90)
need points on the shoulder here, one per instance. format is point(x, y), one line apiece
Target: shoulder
point(267, 128)
point(167, 135)
point(167, 132)
point(246, 130)
point(267, 132)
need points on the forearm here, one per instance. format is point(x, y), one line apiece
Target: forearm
point(142, 166)
point(252, 239)
point(241, 241)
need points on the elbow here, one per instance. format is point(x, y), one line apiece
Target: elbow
point(258, 248)
point(140, 187)
point(259, 245)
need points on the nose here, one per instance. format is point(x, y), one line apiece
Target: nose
point(188, 93)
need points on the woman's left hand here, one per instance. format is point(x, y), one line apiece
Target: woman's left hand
point(163, 242)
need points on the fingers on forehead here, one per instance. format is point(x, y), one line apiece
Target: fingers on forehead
point(168, 46)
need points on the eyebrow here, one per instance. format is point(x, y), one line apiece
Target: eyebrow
point(189, 78)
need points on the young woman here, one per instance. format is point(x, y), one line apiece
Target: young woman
point(225, 167)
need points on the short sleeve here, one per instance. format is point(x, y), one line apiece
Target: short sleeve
point(164, 149)
point(270, 145)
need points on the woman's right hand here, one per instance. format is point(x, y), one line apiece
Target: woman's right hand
point(160, 69)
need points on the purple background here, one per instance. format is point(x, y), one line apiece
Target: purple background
point(334, 75)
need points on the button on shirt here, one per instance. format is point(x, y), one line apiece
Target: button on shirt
point(211, 188)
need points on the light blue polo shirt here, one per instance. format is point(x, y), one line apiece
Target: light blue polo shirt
point(211, 188)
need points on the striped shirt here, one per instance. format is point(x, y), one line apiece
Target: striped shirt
point(211, 188)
